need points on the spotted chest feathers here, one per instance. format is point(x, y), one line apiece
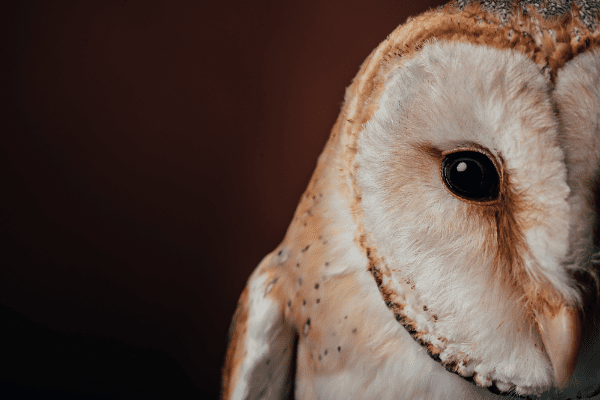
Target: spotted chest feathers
point(310, 272)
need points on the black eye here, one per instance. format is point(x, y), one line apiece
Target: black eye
point(471, 175)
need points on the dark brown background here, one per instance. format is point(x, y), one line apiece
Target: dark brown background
point(153, 153)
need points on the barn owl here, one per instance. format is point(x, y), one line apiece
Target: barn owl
point(444, 247)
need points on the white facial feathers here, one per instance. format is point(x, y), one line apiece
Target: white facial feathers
point(460, 95)
point(482, 269)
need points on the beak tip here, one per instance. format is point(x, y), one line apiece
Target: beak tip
point(564, 370)
point(561, 335)
point(562, 378)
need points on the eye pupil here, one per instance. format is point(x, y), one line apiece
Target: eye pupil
point(471, 175)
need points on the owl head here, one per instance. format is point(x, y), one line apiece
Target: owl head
point(471, 141)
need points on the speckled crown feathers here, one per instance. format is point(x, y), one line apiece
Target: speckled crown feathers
point(585, 11)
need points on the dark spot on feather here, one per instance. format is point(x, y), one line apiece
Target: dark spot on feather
point(424, 308)
point(339, 348)
point(306, 328)
point(289, 303)
point(325, 352)
point(280, 251)
point(346, 317)
point(318, 301)
point(297, 265)
point(316, 285)
point(319, 357)
point(327, 263)
point(268, 361)
point(303, 302)
point(354, 330)
point(300, 281)
point(451, 366)
point(306, 248)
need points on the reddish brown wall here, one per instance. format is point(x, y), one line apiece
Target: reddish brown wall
point(153, 153)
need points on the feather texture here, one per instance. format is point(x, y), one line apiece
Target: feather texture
point(390, 285)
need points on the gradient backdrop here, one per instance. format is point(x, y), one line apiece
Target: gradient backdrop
point(153, 153)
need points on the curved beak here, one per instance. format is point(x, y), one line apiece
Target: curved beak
point(561, 334)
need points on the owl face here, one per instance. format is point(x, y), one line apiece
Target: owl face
point(482, 252)
point(475, 170)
